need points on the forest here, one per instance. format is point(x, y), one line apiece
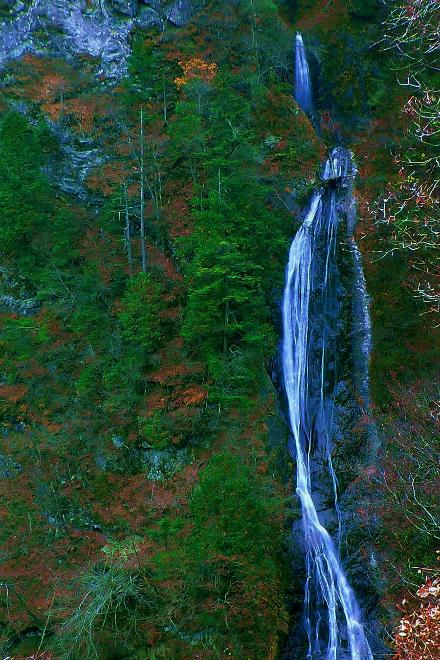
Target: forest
point(210, 289)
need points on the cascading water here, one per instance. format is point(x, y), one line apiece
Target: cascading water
point(310, 327)
point(332, 615)
point(303, 85)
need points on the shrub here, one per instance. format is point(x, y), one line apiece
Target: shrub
point(154, 431)
point(112, 600)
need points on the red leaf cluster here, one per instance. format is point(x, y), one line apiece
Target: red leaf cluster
point(418, 634)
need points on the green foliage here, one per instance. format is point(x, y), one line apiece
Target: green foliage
point(228, 277)
point(89, 304)
point(231, 511)
point(154, 431)
point(23, 189)
point(232, 257)
point(265, 40)
point(167, 529)
point(365, 10)
point(151, 75)
point(20, 340)
point(88, 380)
point(215, 583)
point(37, 231)
point(229, 561)
point(139, 315)
point(122, 346)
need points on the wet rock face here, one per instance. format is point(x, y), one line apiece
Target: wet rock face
point(176, 12)
point(155, 4)
point(14, 297)
point(127, 7)
point(9, 469)
point(26, 307)
point(69, 29)
point(99, 28)
point(77, 157)
point(179, 12)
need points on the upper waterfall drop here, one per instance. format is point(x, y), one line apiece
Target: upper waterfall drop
point(303, 84)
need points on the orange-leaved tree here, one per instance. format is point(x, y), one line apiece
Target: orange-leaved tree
point(196, 69)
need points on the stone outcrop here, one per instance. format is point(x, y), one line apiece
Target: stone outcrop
point(100, 28)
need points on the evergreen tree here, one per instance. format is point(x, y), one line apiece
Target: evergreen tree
point(24, 190)
point(139, 316)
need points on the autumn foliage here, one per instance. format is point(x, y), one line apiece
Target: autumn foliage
point(196, 69)
point(418, 634)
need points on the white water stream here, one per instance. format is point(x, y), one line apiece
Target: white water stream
point(337, 632)
point(332, 614)
point(303, 86)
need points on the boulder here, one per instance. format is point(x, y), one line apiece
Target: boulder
point(149, 17)
point(9, 469)
point(154, 4)
point(179, 12)
point(27, 307)
point(127, 7)
point(11, 6)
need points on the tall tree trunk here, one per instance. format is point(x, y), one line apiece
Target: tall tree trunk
point(165, 105)
point(225, 329)
point(142, 200)
point(219, 185)
point(127, 232)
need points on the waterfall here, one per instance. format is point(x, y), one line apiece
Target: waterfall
point(303, 85)
point(332, 615)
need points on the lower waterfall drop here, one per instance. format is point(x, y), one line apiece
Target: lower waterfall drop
point(332, 614)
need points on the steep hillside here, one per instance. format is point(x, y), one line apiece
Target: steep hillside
point(153, 169)
point(142, 507)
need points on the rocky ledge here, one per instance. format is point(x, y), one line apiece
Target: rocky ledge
point(98, 28)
